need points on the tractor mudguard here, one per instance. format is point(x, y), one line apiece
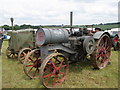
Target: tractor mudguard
point(97, 35)
point(61, 47)
point(47, 49)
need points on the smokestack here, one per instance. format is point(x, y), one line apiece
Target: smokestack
point(11, 19)
point(71, 22)
point(71, 18)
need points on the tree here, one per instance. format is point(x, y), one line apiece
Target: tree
point(16, 27)
point(24, 26)
point(6, 27)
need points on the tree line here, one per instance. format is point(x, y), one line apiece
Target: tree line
point(18, 27)
point(25, 26)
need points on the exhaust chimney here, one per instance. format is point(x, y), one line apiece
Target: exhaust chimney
point(71, 22)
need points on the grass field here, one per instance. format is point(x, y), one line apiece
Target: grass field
point(81, 74)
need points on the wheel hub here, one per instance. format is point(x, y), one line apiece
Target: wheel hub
point(37, 64)
point(57, 72)
point(105, 51)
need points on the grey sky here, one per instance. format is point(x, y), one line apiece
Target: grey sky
point(43, 12)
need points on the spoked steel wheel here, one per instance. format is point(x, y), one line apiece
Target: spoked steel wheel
point(32, 64)
point(101, 56)
point(22, 54)
point(53, 70)
point(11, 54)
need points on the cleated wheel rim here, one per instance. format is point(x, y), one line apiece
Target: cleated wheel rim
point(22, 54)
point(54, 70)
point(101, 55)
point(32, 64)
point(11, 54)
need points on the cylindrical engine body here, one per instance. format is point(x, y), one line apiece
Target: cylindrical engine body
point(50, 36)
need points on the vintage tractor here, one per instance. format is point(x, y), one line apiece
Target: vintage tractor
point(115, 42)
point(59, 47)
point(20, 43)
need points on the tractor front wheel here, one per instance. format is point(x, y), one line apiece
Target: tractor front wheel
point(32, 64)
point(53, 70)
point(11, 54)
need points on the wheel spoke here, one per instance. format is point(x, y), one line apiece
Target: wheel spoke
point(103, 45)
point(30, 58)
point(61, 73)
point(24, 53)
point(13, 56)
point(29, 65)
point(22, 58)
point(48, 75)
point(98, 55)
point(30, 70)
point(28, 61)
point(63, 66)
point(53, 64)
point(107, 55)
point(100, 49)
point(105, 42)
point(56, 59)
point(108, 48)
point(9, 54)
point(60, 64)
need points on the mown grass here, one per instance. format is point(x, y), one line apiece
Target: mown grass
point(81, 74)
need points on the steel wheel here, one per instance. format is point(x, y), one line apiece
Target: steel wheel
point(101, 56)
point(11, 54)
point(32, 64)
point(53, 70)
point(22, 54)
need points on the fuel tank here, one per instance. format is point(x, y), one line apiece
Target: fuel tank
point(51, 36)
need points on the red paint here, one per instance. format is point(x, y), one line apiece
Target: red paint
point(40, 36)
point(115, 39)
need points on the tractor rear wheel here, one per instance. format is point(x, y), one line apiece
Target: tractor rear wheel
point(101, 55)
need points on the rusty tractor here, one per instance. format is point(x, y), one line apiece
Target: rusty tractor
point(59, 47)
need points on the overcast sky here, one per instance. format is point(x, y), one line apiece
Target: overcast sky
point(50, 12)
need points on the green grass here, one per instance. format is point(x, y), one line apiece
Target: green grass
point(81, 74)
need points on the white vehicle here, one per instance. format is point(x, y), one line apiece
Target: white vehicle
point(114, 31)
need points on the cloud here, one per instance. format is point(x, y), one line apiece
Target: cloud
point(40, 12)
